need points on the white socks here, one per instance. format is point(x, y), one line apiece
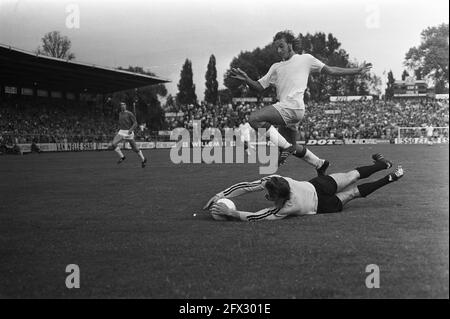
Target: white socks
point(312, 159)
point(276, 138)
point(118, 151)
point(141, 155)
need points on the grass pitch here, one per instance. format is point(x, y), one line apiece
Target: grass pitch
point(133, 234)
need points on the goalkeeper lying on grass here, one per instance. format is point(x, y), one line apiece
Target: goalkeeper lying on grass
point(321, 195)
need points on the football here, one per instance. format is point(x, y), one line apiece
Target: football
point(229, 203)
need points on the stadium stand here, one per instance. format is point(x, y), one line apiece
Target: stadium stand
point(354, 119)
point(56, 122)
point(26, 116)
point(41, 98)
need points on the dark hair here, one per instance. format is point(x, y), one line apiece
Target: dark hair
point(288, 36)
point(278, 187)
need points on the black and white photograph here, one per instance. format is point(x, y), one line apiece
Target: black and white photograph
point(224, 154)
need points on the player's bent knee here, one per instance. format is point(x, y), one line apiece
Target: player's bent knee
point(134, 147)
point(254, 122)
point(348, 195)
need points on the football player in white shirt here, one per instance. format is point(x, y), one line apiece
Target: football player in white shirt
point(290, 78)
point(244, 132)
point(430, 131)
point(321, 195)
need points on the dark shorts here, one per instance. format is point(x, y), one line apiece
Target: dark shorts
point(326, 189)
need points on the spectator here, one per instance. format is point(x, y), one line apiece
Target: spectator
point(51, 122)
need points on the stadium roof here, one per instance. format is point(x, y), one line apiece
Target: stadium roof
point(26, 69)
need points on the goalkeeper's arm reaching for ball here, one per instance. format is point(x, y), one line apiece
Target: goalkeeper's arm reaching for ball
point(238, 190)
point(278, 211)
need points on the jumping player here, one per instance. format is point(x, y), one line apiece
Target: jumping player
point(321, 195)
point(290, 77)
point(127, 125)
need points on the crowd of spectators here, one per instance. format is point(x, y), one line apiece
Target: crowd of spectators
point(53, 122)
point(354, 119)
point(372, 119)
point(217, 116)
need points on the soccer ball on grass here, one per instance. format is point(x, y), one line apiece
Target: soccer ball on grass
point(229, 203)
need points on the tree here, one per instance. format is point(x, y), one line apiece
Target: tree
point(186, 88)
point(405, 74)
point(326, 48)
point(418, 74)
point(390, 86)
point(225, 96)
point(256, 64)
point(211, 93)
point(431, 57)
point(170, 102)
point(145, 101)
point(56, 45)
point(375, 84)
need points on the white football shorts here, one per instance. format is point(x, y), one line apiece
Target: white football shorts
point(124, 134)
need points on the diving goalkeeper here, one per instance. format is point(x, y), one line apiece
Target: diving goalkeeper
point(321, 195)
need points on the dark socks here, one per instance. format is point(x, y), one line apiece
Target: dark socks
point(368, 188)
point(366, 171)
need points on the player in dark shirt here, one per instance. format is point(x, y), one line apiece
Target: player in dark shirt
point(127, 125)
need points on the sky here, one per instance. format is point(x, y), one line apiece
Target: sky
point(160, 35)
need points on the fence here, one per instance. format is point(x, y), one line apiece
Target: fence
point(12, 138)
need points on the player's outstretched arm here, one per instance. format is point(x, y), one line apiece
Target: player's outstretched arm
point(240, 75)
point(238, 189)
point(272, 213)
point(337, 71)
